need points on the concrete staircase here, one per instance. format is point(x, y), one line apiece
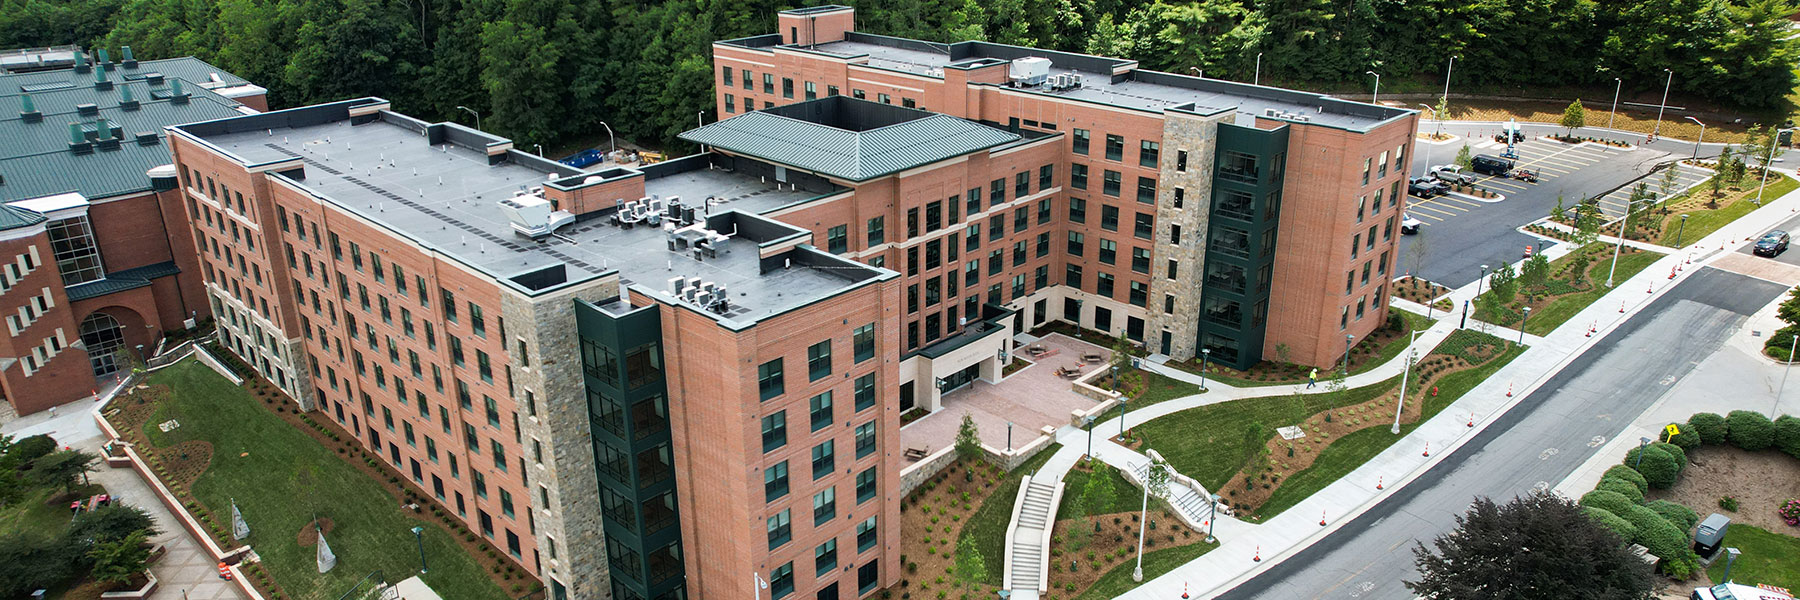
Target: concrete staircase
point(1027, 540)
point(1185, 495)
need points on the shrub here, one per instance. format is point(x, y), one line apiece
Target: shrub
point(1675, 452)
point(1658, 467)
point(1607, 519)
point(1728, 503)
point(1787, 435)
point(1710, 426)
point(1624, 488)
point(1628, 474)
point(1678, 515)
point(29, 449)
point(1790, 512)
point(1688, 439)
point(1750, 430)
point(1656, 533)
point(1609, 501)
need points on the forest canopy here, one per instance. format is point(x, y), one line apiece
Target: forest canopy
point(544, 70)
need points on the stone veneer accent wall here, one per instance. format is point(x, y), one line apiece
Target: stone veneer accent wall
point(1198, 135)
point(546, 324)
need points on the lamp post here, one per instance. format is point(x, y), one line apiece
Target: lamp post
point(1664, 104)
point(1009, 426)
point(1434, 117)
point(610, 146)
point(1447, 71)
point(1522, 322)
point(1088, 423)
point(419, 536)
point(1205, 361)
point(1347, 340)
point(1697, 140)
point(1621, 244)
point(1410, 353)
point(1122, 401)
point(540, 150)
point(1731, 555)
point(1774, 142)
point(1642, 443)
point(1375, 97)
point(1793, 342)
point(1617, 85)
point(1152, 473)
point(1215, 518)
point(1681, 231)
point(1257, 79)
point(472, 112)
point(1480, 280)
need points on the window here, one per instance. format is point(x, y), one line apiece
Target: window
point(831, 90)
point(865, 439)
point(1140, 294)
point(643, 365)
point(824, 458)
point(749, 84)
point(1148, 152)
point(1046, 177)
point(996, 192)
point(865, 392)
point(725, 76)
point(862, 343)
point(877, 231)
point(865, 535)
point(865, 485)
point(1144, 226)
point(824, 506)
point(781, 530)
point(909, 102)
point(77, 256)
point(1230, 240)
point(775, 482)
point(1076, 240)
point(1140, 260)
point(1078, 174)
point(1022, 184)
point(1072, 276)
point(821, 410)
point(837, 239)
point(1367, 164)
point(1104, 285)
point(1080, 141)
point(812, 91)
point(1238, 166)
point(1181, 161)
point(1077, 210)
point(1115, 147)
point(1109, 251)
point(858, 94)
point(884, 98)
point(768, 379)
point(769, 83)
point(774, 431)
point(1146, 190)
point(1110, 181)
point(818, 360)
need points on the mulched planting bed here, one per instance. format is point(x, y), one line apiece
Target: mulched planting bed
point(1077, 560)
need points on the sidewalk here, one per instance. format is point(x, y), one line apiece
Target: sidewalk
point(186, 567)
point(1296, 528)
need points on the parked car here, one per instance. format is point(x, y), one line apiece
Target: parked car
point(1488, 164)
point(1771, 243)
point(1453, 174)
point(1422, 187)
point(1409, 225)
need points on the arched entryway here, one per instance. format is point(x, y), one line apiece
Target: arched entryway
point(105, 331)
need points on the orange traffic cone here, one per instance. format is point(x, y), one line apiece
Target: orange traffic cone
point(1321, 518)
point(1184, 593)
point(1258, 556)
point(1379, 481)
point(224, 572)
point(1471, 419)
point(1621, 306)
point(1427, 449)
point(1650, 289)
point(1671, 272)
point(1509, 389)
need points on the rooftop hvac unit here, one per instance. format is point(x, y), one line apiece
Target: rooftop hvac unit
point(1028, 71)
point(1271, 112)
point(676, 284)
point(532, 216)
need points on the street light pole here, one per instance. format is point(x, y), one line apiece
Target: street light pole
point(1447, 71)
point(540, 150)
point(1434, 117)
point(1792, 344)
point(1681, 231)
point(1122, 401)
point(1205, 360)
point(1698, 140)
point(1088, 423)
point(472, 112)
point(419, 536)
point(1621, 239)
point(1258, 78)
point(1617, 85)
point(611, 146)
point(1664, 104)
point(1480, 280)
point(1009, 426)
point(1522, 323)
point(1137, 572)
point(1347, 340)
point(1774, 142)
point(1214, 518)
point(1375, 97)
point(1410, 353)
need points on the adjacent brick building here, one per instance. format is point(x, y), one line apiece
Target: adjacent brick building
point(88, 193)
point(1195, 214)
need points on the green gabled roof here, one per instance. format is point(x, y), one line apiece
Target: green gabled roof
point(922, 139)
point(119, 281)
point(13, 217)
point(35, 159)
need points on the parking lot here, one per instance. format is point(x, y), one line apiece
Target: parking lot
point(1461, 234)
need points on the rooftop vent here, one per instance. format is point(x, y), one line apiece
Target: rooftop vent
point(532, 216)
point(126, 100)
point(129, 62)
point(81, 63)
point(78, 141)
point(147, 138)
point(176, 96)
point(100, 80)
point(87, 110)
point(28, 111)
point(153, 78)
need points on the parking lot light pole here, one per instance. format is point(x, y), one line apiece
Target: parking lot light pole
point(1257, 79)
point(1774, 142)
point(1664, 104)
point(1447, 71)
point(1681, 231)
point(1793, 343)
point(1375, 97)
point(1617, 85)
point(1522, 322)
point(1434, 117)
point(1698, 140)
point(1615, 261)
point(472, 112)
point(1401, 405)
point(612, 145)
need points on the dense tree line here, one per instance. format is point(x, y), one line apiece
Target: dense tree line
point(541, 70)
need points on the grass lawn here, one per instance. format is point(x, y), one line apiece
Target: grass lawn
point(1125, 497)
point(1547, 319)
point(32, 511)
point(1161, 388)
point(1356, 448)
point(1383, 353)
point(280, 477)
point(1207, 443)
point(1702, 222)
point(1118, 581)
point(1768, 558)
point(988, 524)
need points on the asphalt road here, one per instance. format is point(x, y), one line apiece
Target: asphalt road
point(1792, 255)
point(1461, 235)
point(1547, 436)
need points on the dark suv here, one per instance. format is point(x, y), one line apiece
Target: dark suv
point(1771, 243)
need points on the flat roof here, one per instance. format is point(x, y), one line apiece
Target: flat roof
point(1131, 87)
point(444, 196)
point(850, 139)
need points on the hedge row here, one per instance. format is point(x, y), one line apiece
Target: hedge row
point(1743, 429)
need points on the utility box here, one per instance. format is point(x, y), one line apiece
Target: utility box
point(1029, 71)
point(1710, 534)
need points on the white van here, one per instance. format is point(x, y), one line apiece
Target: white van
point(1733, 591)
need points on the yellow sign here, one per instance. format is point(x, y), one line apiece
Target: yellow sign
point(1673, 430)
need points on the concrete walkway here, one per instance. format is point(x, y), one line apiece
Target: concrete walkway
point(1429, 443)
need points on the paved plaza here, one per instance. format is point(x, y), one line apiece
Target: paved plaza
point(1032, 398)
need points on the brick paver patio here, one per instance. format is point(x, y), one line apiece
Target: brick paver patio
point(1031, 399)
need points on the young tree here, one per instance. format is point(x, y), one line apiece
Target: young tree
point(1671, 178)
point(1417, 254)
point(1441, 114)
point(971, 567)
point(1715, 187)
point(63, 468)
point(1503, 283)
point(1256, 451)
point(1097, 495)
point(1574, 117)
point(116, 561)
point(1556, 213)
point(1465, 158)
point(1127, 379)
point(1534, 275)
point(1587, 224)
point(1536, 546)
point(968, 439)
point(1634, 210)
point(113, 522)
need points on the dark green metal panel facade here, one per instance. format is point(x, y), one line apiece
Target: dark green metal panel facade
point(621, 359)
point(1240, 255)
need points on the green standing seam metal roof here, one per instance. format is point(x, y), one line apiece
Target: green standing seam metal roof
point(35, 159)
point(119, 281)
point(849, 155)
point(13, 217)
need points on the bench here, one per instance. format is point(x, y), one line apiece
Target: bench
point(916, 454)
point(1092, 357)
